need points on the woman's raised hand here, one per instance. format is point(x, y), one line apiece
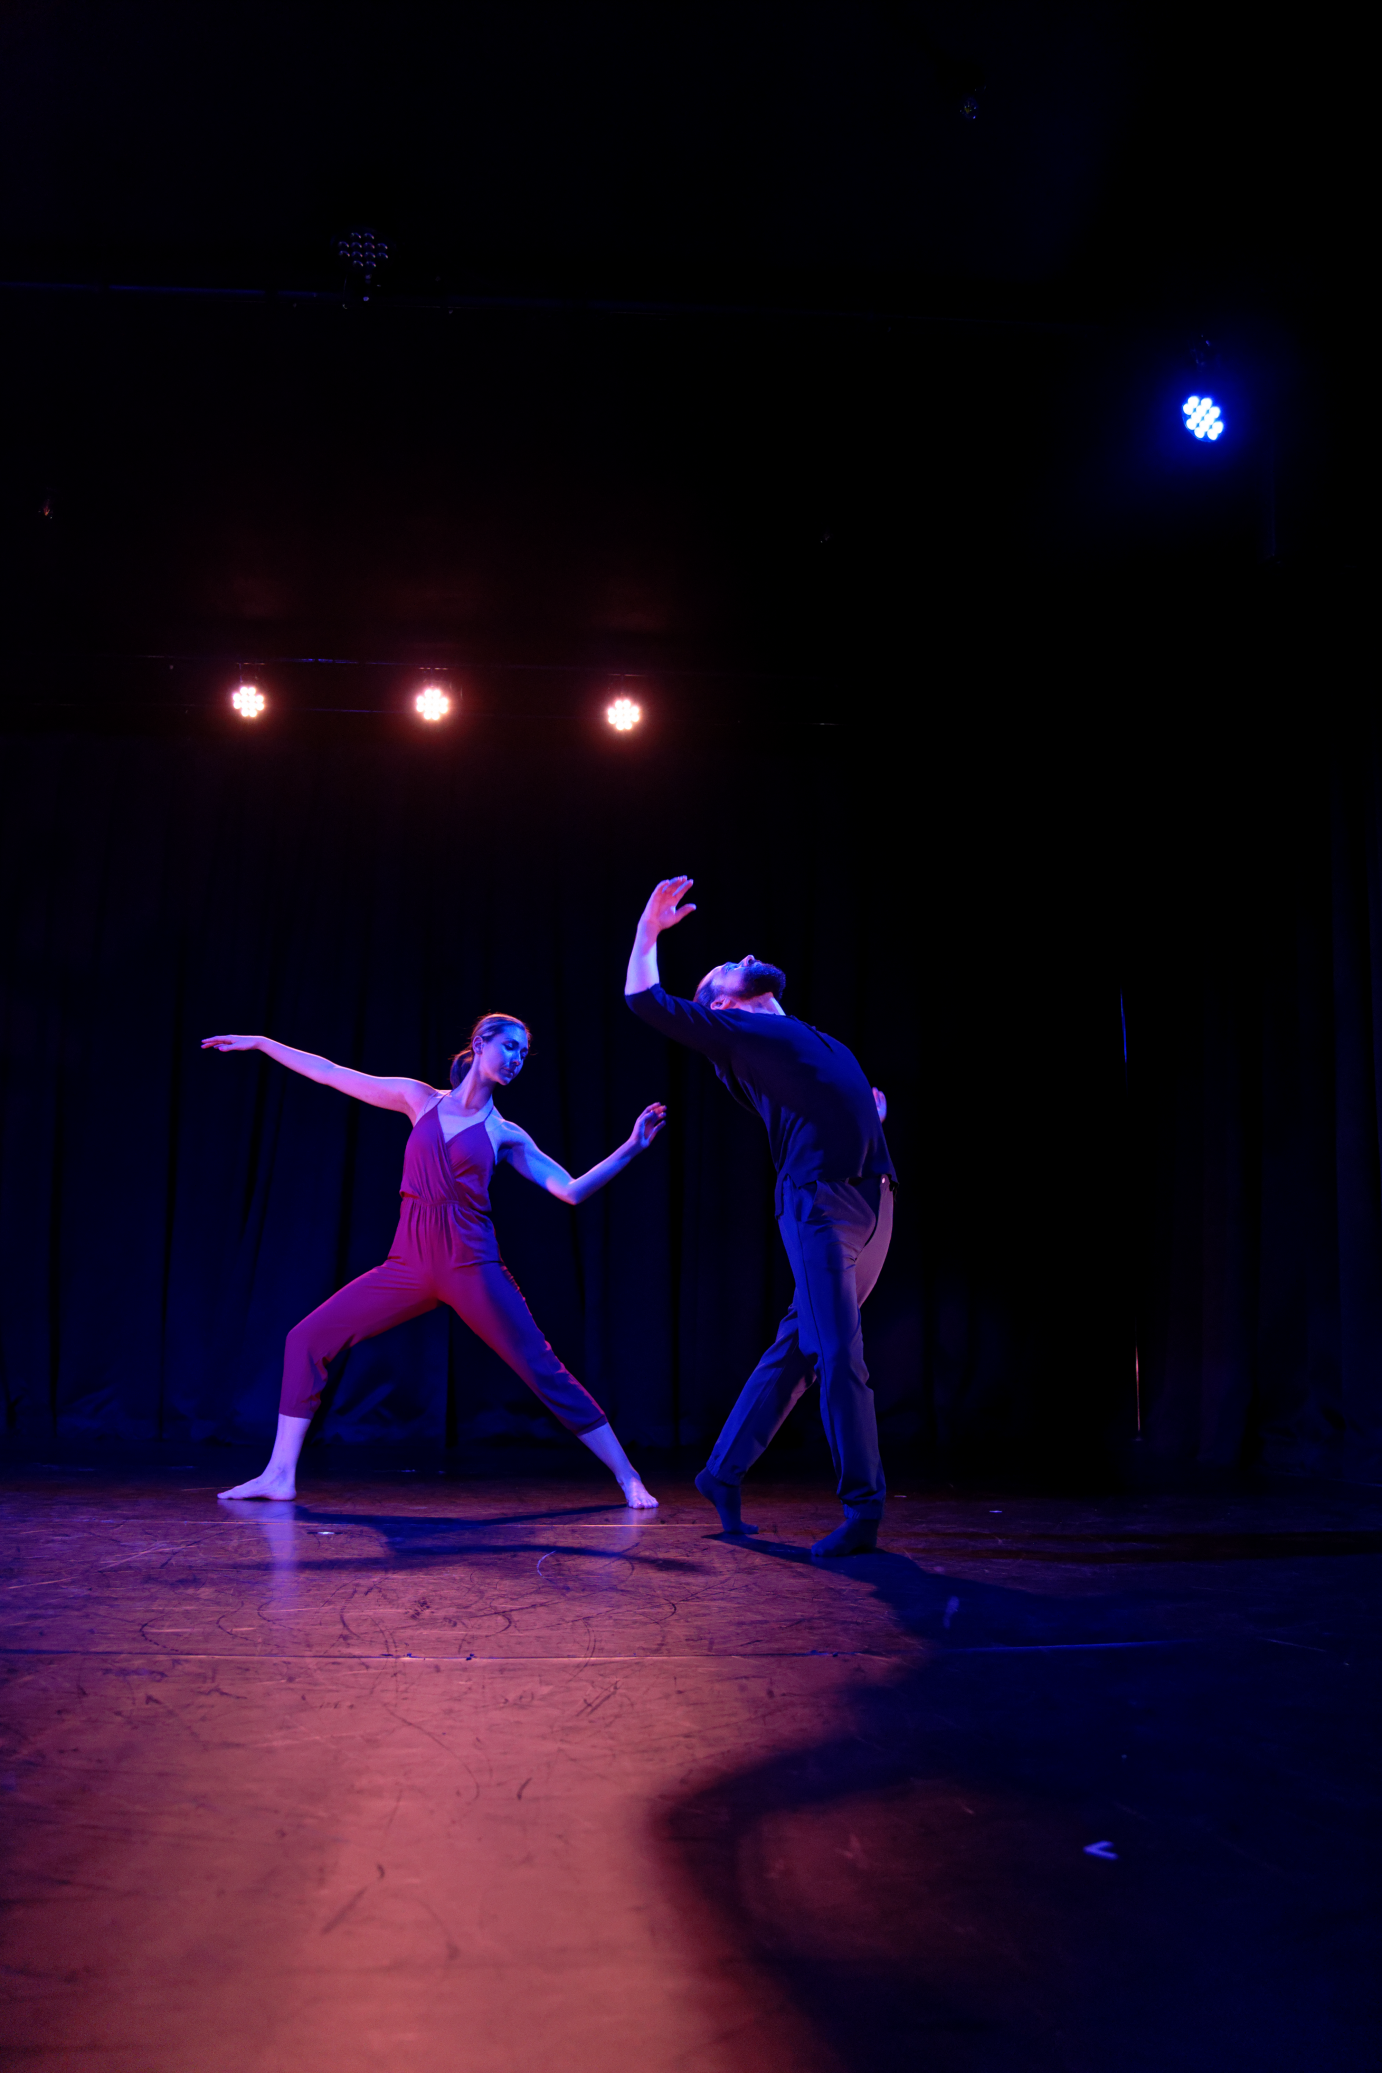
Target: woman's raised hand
point(648, 1125)
point(231, 1043)
point(663, 911)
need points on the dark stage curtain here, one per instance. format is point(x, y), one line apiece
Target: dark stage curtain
point(963, 920)
point(1255, 1014)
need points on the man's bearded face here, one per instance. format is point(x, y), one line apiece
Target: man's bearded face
point(745, 978)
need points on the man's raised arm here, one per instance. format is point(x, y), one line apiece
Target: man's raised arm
point(662, 912)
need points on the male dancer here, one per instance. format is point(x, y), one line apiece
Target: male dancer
point(834, 1210)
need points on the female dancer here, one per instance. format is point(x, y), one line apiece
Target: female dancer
point(444, 1250)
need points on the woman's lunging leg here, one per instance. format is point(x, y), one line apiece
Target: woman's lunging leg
point(489, 1300)
point(386, 1296)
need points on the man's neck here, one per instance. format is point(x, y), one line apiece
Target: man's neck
point(755, 1004)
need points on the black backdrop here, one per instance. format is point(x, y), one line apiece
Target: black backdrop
point(962, 901)
point(169, 1214)
point(1257, 1002)
point(771, 378)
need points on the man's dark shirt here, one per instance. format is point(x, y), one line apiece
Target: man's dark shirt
point(810, 1091)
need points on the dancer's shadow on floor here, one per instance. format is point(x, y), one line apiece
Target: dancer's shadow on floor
point(964, 1613)
point(406, 1543)
point(918, 1877)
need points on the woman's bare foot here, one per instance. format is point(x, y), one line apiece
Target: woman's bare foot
point(275, 1482)
point(279, 1479)
point(605, 1447)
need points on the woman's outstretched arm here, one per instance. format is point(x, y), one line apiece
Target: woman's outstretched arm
point(518, 1148)
point(411, 1097)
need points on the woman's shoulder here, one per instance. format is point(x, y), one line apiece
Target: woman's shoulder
point(503, 1132)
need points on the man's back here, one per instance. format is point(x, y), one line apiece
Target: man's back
point(810, 1090)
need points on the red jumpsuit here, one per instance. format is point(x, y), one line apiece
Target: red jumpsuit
point(444, 1251)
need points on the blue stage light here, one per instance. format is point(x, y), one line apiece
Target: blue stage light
point(1202, 417)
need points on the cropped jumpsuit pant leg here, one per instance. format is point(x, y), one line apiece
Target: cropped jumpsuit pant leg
point(419, 1273)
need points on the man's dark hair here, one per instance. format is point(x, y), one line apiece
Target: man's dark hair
point(771, 980)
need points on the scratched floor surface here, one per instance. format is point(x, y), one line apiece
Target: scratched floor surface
point(497, 1778)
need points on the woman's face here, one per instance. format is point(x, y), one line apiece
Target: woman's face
point(501, 1057)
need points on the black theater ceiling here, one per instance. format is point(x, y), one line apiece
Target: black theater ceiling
point(697, 324)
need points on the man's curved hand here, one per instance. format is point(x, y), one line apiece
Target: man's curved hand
point(880, 1102)
point(663, 910)
point(667, 905)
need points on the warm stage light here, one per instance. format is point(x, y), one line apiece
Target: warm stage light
point(248, 702)
point(1202, 417)
point(433, 703)
point(623, 715)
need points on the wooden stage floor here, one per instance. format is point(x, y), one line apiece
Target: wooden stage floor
point(495, 1777)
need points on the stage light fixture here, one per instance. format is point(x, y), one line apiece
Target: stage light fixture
point(623, 715)
point(432, 703)
point(1202, 417)
point(363, 253)
point(248, 702)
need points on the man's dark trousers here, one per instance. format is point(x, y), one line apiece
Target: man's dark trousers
point(837, 1235)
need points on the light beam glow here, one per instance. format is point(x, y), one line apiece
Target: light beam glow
point(433, 703)
point(248, 702)
point(1202, 417)
point(623, 715)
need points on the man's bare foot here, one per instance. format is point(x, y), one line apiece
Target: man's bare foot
point(636, 1497)
point(275, 1482)
point(725, 1498)
point(855, 1537)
